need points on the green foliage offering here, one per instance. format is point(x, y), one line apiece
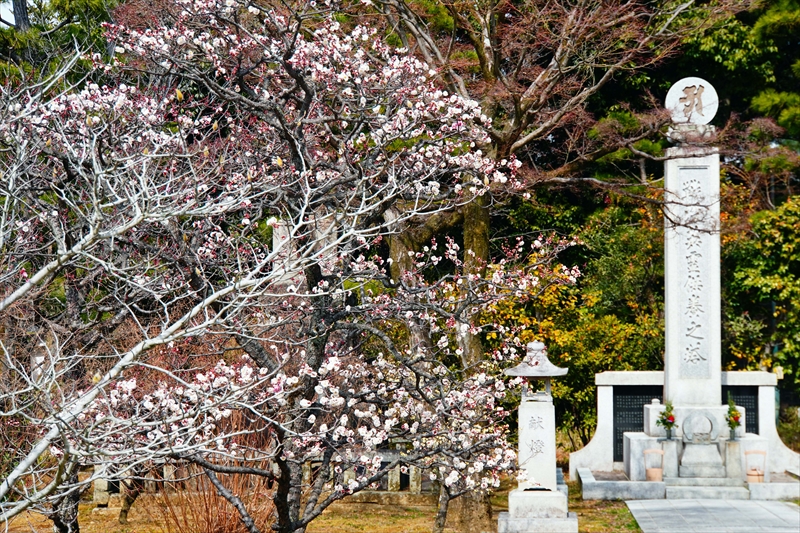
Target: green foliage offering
point(733, 416)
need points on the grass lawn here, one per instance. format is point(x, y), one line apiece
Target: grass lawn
point(593, 517)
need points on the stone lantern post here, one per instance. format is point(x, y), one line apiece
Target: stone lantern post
point(537, 504)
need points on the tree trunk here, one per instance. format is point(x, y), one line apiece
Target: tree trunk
point(65, 508)
point(21, 20)
point(131, 488)
point(408, 237)
point(476, 255)
point(471, 513)
point(441, 512)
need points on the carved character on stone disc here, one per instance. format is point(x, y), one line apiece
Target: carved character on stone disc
point(692, 100)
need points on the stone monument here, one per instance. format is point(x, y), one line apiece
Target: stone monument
point(692, 362)
point(537, 504)
point(705, 460)
point(705, 451)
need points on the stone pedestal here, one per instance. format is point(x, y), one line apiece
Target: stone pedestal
point(537, 442)
point(508, 524)
point(537, 504)
point(633, 454)
point(733, 460)
point(701, 460)
point(672, 451)
point(752, 442)
point(532, 511)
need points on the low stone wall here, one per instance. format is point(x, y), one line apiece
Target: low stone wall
point(598, 455)
point(593, 489)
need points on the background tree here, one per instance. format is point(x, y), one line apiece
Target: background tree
point(535, 67)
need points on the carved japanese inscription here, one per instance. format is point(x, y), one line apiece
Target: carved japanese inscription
point(695, 232)
point(536, 422)
point(536, 447)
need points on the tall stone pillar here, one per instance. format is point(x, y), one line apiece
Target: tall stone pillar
point(692, 362)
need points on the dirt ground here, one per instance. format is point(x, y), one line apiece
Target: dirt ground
point(145, 517)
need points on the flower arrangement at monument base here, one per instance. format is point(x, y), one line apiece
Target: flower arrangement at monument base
point(733, 417)
point(667, 419)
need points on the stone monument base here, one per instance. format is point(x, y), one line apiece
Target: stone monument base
point(507, 524)
point(701, 460)
point(537, 504)
point(537, 510)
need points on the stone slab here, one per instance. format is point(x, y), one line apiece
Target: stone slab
point(592, 489)
point(734, 468)
point(507, 524)
point(537, 504)
point(656, 377)
point(707, 493)
point(781, 456)
point(774, 491)
point(672, 451)
point(715, 516)
point(598, 454)
point(749, 379)
point(701, 455)
point(635, 377)
point(703, 482)
point(701, 471)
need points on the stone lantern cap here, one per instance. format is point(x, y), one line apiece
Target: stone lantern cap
point(536, 365)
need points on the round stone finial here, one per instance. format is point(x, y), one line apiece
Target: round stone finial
point(692, 101)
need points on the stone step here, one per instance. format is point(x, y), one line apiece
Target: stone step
point(703, 482)
point(707, 493)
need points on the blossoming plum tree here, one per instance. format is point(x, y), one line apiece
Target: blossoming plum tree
point(222, 191)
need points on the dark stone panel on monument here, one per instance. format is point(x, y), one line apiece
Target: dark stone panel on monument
point(747, 397)
point(629, 402)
